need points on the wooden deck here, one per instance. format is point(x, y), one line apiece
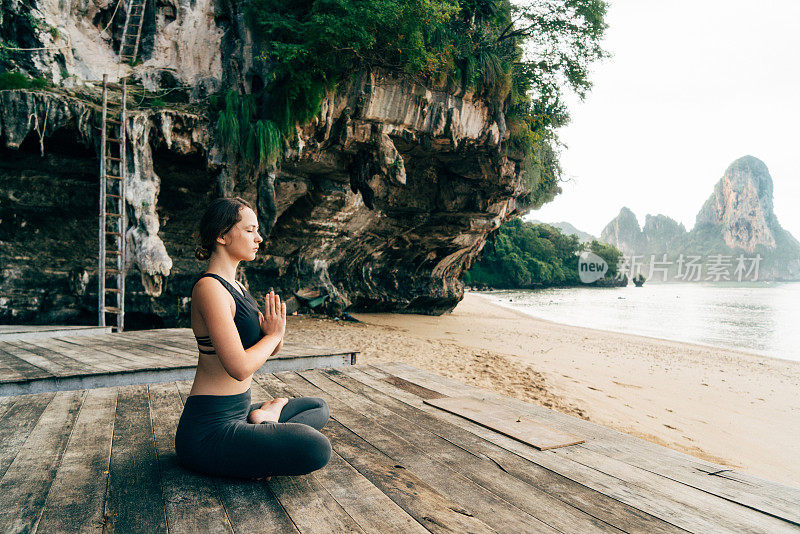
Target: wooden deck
point(42, 364)
point(103, 460)
point(15, 332)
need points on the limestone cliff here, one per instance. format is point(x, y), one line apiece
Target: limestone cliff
point(389, 194)
point(624, 232)
point(741, 206)
point(662, 233)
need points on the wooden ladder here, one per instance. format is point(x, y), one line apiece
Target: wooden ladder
point(131, 31)
point(113, 220)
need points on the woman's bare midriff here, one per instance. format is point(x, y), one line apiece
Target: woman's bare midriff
point(211, 378)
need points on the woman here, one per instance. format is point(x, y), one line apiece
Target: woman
point(220, 432)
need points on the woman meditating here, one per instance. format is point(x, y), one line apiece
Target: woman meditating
point(220, 432)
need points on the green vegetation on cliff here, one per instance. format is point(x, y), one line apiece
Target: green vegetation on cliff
point(530, 255)
point(17, 80)
point(258, 142)
point(519, 58)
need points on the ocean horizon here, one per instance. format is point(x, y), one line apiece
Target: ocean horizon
point(755, 317)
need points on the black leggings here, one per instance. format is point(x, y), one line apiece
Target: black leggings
point(215, 438)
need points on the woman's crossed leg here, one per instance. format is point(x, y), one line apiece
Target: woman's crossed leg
point(309, 411)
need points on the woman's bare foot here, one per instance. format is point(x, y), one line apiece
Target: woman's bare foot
point(269, 411)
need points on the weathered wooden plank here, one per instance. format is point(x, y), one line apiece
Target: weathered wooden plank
point(137, 359)
point(191, 500)
point(34, 328)
point(134, 503)
point(123, 359)
point(725, 514)
point(185, 336)
point(366, 504)
point(413, 388)
point(27, 332)
point(250, 505)
point(72, 365)
point(173, 358)
point(168, 332)
point(98, 343)
point(143, 347)
point(150, 338)
point(186, 343)
point(592, 502)
point(460, 463)
point(310, 506)
point(757, 494)
point(7, 374)
point(5, 404)
point(28, 370)
point(680, 504)
point(97, 359)
point(24, 486)
point(17, 423)
point(417, 496)
point(184, 339)
point(75, 500)
point(56, 367)
point(518, 427)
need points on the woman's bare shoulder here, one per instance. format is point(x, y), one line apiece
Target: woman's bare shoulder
point(208, 289)
point(205, 283)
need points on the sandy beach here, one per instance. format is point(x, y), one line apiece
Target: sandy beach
point(729, 407)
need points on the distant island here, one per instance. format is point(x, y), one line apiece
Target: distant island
point(736, 235)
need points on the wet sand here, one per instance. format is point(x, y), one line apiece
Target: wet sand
point(729, 407)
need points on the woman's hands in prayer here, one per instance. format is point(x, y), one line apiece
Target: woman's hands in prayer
point(273, 320)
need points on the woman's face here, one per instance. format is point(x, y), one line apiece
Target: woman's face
point(241, 241)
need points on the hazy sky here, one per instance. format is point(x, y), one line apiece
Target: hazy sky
point(692, 85)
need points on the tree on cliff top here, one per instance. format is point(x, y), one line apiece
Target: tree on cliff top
point(518, 57)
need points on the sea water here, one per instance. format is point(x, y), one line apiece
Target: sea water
point(759, 317)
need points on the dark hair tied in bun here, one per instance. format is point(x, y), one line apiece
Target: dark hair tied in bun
point(220, 216)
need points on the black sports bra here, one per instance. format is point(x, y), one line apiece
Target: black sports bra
point(246, 318)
